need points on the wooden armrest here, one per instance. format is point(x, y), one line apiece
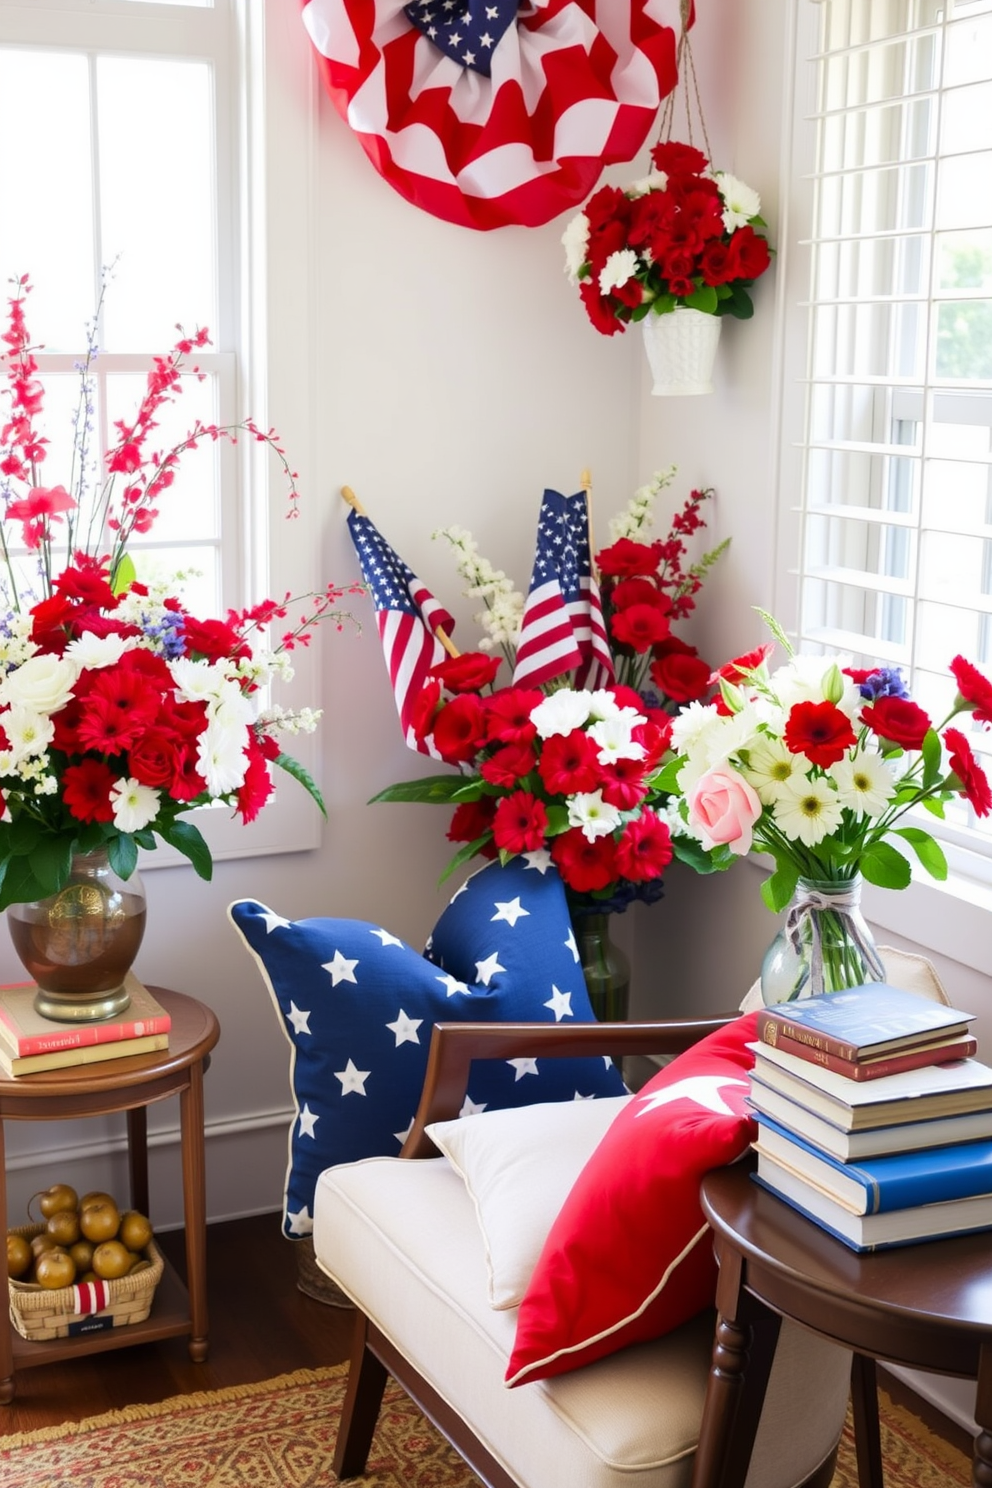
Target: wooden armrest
point(455, 1045)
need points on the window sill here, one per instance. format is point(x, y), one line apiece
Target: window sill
point(952, 918)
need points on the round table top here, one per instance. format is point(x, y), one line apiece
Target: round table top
point(194, 1032)
point(947, 1283)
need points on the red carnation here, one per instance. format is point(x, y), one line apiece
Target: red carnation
point(257, 787)
point(424, 708)
point(471, 820)
point(645, 849)
point(87, 583)
point(627, 559)
point(639, 591)
point(751, 253)
point(682, 677)
point(86, 790)
point(734, 671)
point(459, 729)
point(640, 626)
point(899, 720)
point(974, 689)
point(974, 781)
point(716, 263)
point(520, 823)
point(820, 731)
point(655, 734)
point(212, 639)
point(508, 766)
point(599, 308)
point(677, 159)
point(470, 672)
point(508, 714)
point(584, 865)
point(569, 763)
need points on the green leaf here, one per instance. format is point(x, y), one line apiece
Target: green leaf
point(431, 788)
point(932, 752)
point(935, 806)
point(696, 857)
point(50, 861)
point(293, 767)
point(929, 852)
point(664, 304)
point(188, 840)
point(881, 864)
point(775, 629)
point(463, 854)
point(667, 778)
point(557, 820)
point(704, 298)
point(780, 886)
point(124, 574)
point(122, 851)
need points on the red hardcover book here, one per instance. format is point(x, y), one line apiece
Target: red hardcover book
point(24, 1032)
point(888, 1064)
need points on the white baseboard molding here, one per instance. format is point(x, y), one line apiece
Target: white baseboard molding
point(954, 1397)
point(245, 1161)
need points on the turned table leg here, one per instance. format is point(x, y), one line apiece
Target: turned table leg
point(195, 1208)
point(6, 1343)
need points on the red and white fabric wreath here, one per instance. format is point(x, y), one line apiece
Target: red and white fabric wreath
point(488, 113)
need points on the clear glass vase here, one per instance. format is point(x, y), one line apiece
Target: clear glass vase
point(79, 944)
point(824, 946)
point(605, 967)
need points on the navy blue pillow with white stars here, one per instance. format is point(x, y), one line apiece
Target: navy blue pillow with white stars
point(358, 1006)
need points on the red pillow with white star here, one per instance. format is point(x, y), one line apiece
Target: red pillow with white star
point(629, 1256)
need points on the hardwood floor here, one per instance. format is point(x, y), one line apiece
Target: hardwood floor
point(261, 1324)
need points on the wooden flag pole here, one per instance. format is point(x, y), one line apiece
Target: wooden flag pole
point(586, 484)
point(353, 501)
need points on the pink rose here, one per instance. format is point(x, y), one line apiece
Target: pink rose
point(723, 808)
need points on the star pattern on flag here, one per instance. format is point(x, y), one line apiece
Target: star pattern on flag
point(308, 1122)
point(465, 30)
point(511, 911)
point(540, 859)
point(523, 1067)
point(299, 1221)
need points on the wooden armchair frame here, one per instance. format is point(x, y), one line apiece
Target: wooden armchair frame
point(453, 1048)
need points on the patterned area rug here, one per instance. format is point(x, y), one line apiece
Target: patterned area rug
point(280, 1434)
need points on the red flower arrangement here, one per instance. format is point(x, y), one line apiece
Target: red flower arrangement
point(121, 711)
point(684, 236)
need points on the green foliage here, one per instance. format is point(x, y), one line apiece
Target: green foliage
point(298, 772)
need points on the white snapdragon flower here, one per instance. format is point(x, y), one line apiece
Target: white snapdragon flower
point(504, 605)
point(135, 805)
point(28, 731)
point(618, 269)
point(575, 241)
point(221, 757)
point(613, 736)
point(562, 712)
point(740, 202)
point(593, 815)
point(43, 682)
point(93, 652)
point(639, 511)
point(865, 784)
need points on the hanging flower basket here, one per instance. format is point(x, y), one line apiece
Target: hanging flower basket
point(681, 348)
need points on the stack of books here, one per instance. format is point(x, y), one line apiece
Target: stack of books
point(874, 1119)
point(30, 1043)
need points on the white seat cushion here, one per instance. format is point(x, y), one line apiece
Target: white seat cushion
point(401, 1238)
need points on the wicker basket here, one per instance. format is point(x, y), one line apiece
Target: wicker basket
point(42, 1312)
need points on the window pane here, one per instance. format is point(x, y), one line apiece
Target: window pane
point(45, 166)
point(161, 177)
point(189, 509)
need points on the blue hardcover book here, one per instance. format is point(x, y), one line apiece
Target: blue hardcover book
point(874, 1185)
point(859, 1021)
point(874, 1231)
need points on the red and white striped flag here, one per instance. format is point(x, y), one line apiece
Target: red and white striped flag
point(563, 626)
point(408, 617)
point(497, 126)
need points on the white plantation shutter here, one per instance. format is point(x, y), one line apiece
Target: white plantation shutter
point(895, 468)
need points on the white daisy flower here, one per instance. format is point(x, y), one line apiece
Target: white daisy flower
point(593, 815)
point(770, 767)
point(865, 784)
point(221, 758)
point(740, 202)
point(807, 810)
point(135, 805)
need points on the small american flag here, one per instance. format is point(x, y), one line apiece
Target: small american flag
point(408, 617)
point(563, 624)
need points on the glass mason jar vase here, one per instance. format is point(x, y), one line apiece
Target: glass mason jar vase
point(824, 946)
point(80, 943)
point(605, 967)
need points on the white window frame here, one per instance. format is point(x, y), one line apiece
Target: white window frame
point(266, 118)
point(949, 918)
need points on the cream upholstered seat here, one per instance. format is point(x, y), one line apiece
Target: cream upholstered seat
point(403, 1239)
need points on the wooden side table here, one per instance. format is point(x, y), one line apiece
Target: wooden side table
point(926, 1306)
point(129, 1085)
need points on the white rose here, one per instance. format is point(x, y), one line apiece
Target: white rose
point(42, 683)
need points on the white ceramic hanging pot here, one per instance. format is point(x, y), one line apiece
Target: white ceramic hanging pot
point(681, 348)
